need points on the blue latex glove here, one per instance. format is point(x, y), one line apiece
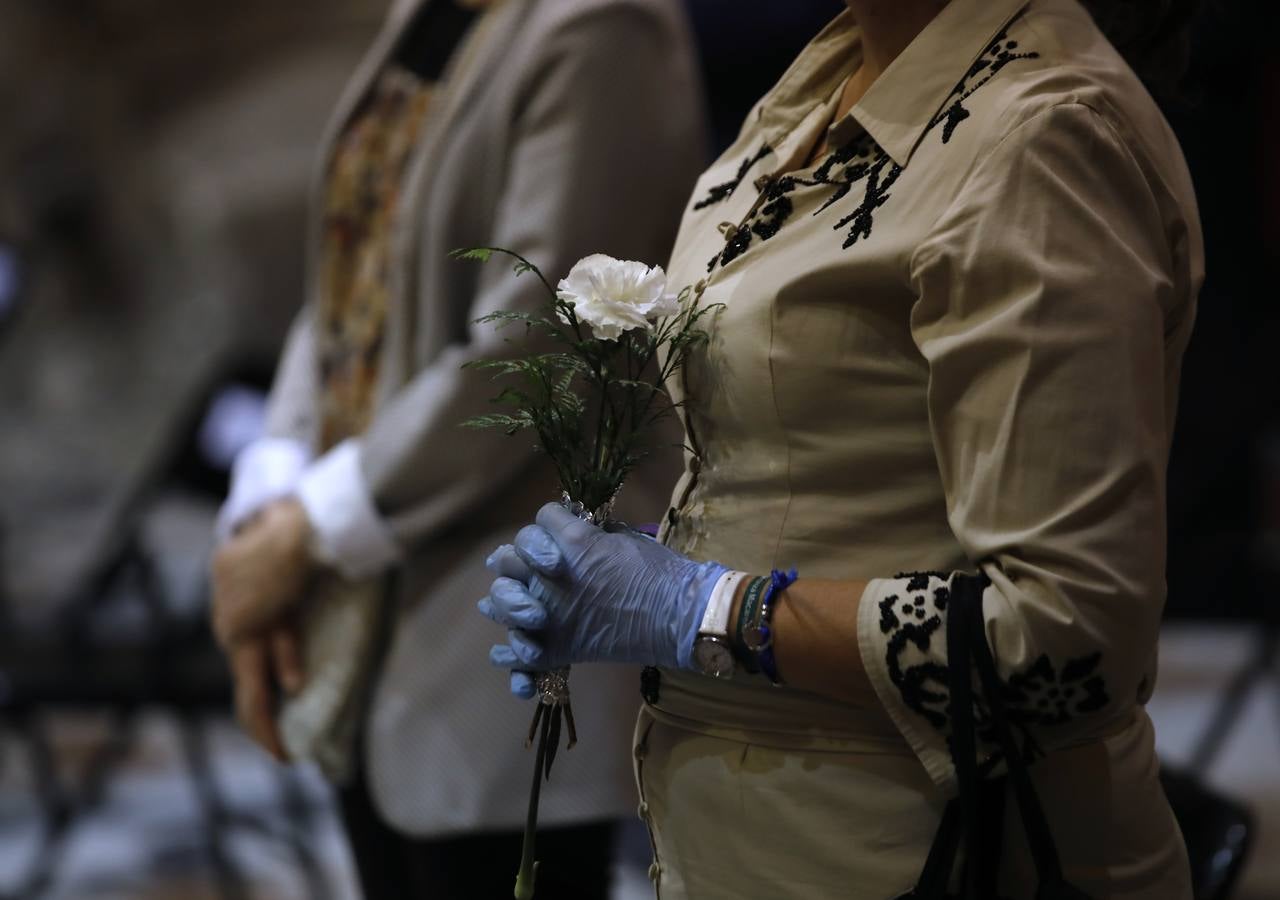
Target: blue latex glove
point(570, 592)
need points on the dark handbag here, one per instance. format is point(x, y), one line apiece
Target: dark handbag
point(975, 816)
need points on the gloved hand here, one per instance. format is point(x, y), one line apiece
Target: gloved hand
point(571, 592)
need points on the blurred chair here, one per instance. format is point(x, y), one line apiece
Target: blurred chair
point(170, 145)
point(1219, 834)
point(124, 643)
point(1262, 667)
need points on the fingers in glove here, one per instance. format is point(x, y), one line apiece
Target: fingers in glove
point(510, 603)
point(521, 651)
point(571, 533)
point(640, 532)
point(528, 649)
point(503, 657)
point(539, 550)
point(522, 685)
point(506, 563)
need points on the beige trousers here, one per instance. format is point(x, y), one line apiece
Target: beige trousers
point(739, 820)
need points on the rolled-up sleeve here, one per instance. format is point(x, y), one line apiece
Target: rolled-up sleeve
point(1052, 324)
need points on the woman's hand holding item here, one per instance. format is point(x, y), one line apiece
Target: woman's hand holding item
point(571, 592)
point(262, 664)
point(260, 572)
point(258, 576)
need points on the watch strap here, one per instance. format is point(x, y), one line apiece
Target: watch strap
point(715, 619)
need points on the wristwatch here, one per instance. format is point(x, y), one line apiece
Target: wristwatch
point(712, 653)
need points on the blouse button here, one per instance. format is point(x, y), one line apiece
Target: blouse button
point(727, 229)
point(643, 811)
point(763, 182)
point(700, 287)
point(654, 870)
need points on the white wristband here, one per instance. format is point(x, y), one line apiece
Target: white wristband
point(716, 618)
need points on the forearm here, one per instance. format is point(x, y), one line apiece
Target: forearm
point(815, 638)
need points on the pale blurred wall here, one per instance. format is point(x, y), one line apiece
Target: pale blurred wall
point(153, 162)
point(123, 117)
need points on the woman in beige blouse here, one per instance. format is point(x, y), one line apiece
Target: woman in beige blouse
point(958, 254)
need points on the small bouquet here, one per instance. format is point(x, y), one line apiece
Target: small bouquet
point(617, 337)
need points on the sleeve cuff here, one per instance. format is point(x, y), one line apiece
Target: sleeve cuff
point(904, 655)
point(265, 470)
point(347, 532)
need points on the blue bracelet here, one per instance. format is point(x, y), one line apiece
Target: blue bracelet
point(761, 638)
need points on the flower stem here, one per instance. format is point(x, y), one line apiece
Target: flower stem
point(528, 865)
point(527, 266)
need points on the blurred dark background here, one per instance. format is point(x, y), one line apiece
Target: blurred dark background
point(1224, 479)
point(154, 156)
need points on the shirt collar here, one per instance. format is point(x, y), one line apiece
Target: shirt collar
point(899, 105)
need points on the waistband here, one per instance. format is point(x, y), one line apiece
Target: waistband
point(750, 709)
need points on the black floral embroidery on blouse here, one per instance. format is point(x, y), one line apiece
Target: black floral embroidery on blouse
point(881, 176)
point(721, 192)
point(1041, 695)
point(918, 581)
point(908, 621)
point(998, 54)
point(859, 162)
point(772, 211)
point(846, 166)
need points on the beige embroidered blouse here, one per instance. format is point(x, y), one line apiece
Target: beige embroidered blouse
point(950, 345)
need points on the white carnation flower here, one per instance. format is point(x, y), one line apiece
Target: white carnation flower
point(613, 295)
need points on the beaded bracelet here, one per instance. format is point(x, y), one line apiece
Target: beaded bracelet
point(746, 615)
point(759, 636)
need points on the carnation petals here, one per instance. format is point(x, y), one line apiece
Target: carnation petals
point(612, 296)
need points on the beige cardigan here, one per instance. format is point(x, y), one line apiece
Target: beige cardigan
point(564, 127)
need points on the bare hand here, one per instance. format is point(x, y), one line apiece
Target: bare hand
point(259, 666)
point(260, 573)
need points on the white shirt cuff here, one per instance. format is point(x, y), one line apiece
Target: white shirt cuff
point(347, 532)
point(264, 471)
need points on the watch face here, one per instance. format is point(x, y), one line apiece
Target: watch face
point(713, 657)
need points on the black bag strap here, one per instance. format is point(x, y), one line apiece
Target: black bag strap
point(936, 874)
point(976, 814)
point(964, 746)
point(962, 817)
point(1044, 852)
